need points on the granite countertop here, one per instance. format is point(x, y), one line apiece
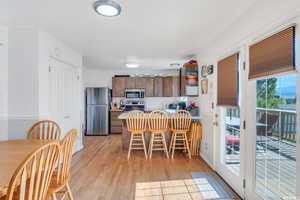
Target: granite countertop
point(124, 115)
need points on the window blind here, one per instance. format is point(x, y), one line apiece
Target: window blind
point(228, 81)
point(273, 55)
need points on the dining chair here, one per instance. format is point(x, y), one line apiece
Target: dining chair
point(61, 176)
point(44, 130)
point(137, 125)
point(158, 125)
point(32, 178)
point(180, 125)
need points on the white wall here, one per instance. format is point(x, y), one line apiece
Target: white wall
point(30, 54)
point(261, 18)
point(3, 82)
point(51, 48)
point(102, 78)
point(22, 81)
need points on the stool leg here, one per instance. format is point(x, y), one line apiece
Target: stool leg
point(151, 145)
point(171, 142)
point(130, 146)
point(174, 144)
point(187, 145)
point(145, 150)
point(164, 144)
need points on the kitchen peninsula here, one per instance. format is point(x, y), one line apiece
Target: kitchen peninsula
point(126, 135)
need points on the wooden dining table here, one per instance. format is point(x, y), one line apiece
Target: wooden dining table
point(12, 154)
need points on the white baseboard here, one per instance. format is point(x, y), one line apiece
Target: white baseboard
point(207, 161)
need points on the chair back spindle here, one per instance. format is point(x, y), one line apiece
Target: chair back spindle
point(67, 145)
point(44, 130)
point(136, 121)
point(181, 120)
point(158, 121)
point(32, 178)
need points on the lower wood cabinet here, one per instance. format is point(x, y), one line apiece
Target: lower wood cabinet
point(115, 123)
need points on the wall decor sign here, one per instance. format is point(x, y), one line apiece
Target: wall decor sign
point(204, 71)
point(210, 69)
point(204, 86)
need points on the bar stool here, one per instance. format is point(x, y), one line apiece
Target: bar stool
point(180, 125)
point(136, 124)
point(158, 124)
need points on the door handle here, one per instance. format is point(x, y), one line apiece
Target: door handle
point(215, 123)
point(67, 117)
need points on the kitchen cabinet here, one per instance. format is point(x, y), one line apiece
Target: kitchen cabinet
point(183, 82)
point(115, 123)
point(118, 86)
point(171, 86)
point(147, 83)
point(154, 86)
point(130, 82)
point(158, 87)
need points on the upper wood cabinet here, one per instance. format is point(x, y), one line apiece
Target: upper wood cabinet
point(146, 83)
point(171, 86)
point(183, 82)
point(118, 86)
point(130, 83)
point(154, 87)
point(158, 87)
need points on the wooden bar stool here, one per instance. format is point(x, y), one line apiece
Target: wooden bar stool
point(158, 124)
point(136, 124)
point(180, 125)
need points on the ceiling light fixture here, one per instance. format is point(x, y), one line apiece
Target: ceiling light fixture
point(107, 8)
point(132, 65)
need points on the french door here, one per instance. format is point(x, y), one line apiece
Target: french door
point(273, 135)
point(230, 141)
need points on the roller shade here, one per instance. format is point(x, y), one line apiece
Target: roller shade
point(273, 55)
point(228, 81)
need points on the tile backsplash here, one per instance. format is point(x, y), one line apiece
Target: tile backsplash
point(154, 103)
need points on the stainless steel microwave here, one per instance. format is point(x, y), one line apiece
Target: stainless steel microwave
point(134, 93)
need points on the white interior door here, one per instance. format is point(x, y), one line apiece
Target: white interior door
point(65, 108)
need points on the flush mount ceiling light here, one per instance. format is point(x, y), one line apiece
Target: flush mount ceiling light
point(132, 65)
point(107, 8)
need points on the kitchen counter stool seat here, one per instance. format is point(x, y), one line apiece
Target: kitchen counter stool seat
point(180, 126)
point(158, 124)
point(136, 124)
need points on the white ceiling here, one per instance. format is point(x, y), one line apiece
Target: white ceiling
point(153, 33)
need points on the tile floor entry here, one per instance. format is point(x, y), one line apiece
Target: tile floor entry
point(188, 189)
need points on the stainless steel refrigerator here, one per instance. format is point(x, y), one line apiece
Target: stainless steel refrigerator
point(97, 111)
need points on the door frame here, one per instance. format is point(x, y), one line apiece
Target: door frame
point(236, 182)
point(250, 170)
point(77, 94)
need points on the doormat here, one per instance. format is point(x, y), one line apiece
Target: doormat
point(212, 187)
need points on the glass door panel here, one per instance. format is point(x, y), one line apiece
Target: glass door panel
point(232, 138)
point(275, 167)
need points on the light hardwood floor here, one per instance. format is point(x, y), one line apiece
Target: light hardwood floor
point(101, 170)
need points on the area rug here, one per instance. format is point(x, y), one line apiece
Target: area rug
point(212, 187)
